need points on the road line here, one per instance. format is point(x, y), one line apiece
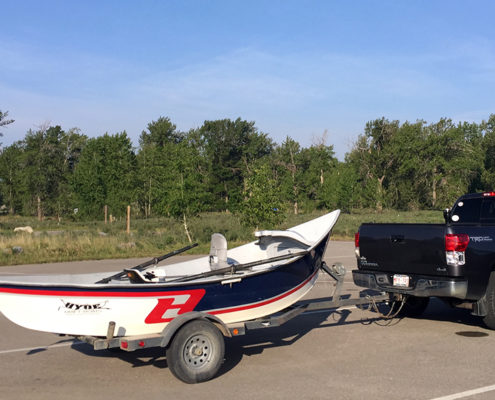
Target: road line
point(11, 273)
point(467, 393)
point(28, 349)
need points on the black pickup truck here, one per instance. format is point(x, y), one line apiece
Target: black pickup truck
point(454, 261)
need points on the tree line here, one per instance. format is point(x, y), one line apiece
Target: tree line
point(230, 165)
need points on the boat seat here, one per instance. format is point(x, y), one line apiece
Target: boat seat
point(282, 234)
point(218, 252)
point(136, 276)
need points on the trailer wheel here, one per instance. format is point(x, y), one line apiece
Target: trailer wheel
point(196, 352)
point(489, 318)
point(414, 306)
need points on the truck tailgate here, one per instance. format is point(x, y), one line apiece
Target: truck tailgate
point(403, 248)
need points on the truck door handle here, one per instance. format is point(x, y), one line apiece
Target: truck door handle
point(397, 238)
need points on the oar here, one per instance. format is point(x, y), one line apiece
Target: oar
point(237, 267)
point(142, 266)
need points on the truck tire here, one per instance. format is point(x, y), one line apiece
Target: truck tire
point(196, 352)
point(414, 306)
point(489, 318)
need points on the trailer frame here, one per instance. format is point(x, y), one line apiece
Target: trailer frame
point(165, 338)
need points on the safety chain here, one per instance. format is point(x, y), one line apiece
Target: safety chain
point(391, 314)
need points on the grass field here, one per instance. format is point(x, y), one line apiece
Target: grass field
point(54, 241)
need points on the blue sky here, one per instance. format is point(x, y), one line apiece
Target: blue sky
point(296, 68)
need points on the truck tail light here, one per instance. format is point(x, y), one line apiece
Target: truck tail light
point(455, 248)
point(356, 244)
point(456, 241)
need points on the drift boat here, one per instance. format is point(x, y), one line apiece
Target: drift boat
point(240, 284)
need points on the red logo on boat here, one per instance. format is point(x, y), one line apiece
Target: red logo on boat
point(171, 305)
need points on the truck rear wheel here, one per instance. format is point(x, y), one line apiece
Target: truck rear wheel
point(489, 318)
point(414, 306)
point(196, 352)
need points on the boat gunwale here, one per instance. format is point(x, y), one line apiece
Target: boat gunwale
point(149, 286)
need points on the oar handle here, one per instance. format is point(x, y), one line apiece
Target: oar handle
point(156, 260)
point(153, 261)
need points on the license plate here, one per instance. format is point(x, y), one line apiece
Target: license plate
point(401, 280)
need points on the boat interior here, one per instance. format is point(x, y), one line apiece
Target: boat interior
point(272, 249)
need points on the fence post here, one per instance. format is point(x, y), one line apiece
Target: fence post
point(128, 220)
point(105, 209)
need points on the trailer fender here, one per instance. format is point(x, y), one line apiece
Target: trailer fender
point(174, 325)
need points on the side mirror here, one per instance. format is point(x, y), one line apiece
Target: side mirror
point(446, 215)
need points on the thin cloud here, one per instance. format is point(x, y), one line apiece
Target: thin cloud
point(298, 94)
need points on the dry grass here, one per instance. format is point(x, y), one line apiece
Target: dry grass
point(53, 241)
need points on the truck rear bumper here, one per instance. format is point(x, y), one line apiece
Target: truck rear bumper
point(421, 286)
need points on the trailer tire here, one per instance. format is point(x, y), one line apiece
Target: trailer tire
point(196, 352)
point(414, 306)
point(489, 318)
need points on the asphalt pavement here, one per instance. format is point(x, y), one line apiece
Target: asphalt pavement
point(348, 353)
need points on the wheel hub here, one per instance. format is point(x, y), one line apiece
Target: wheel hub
point(197, 351)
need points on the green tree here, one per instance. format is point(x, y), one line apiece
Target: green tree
point(44, 171)
point(450, 161)
point(488, 146)
point(186, 189)
point(318, 165)
point(36, 171)
point(155, 166)
point(340, 188)
point(231, 148)
point(4, 121)
point(406, 186)
point(106, 175)
point(262, 205)
point(375, 156)
point(289, 172)
point(71, 146)
point(160, 132)
point(11, 177)
point(415, 165)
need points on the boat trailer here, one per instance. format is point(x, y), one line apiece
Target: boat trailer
point(194, 341)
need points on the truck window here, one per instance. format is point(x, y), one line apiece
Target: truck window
point(488, 210)
point(466, 212)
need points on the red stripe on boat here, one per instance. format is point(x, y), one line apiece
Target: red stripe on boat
point(63, 293)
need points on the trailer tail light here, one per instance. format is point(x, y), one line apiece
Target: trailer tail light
point(455, 248)
point(356, 244)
